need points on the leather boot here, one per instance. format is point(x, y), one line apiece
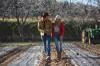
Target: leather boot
point(58, 57)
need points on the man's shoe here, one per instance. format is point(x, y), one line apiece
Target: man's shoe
point(44, 54)
point(48, 59)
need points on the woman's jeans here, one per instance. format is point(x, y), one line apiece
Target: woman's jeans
point(58, 43)
point(46, 39)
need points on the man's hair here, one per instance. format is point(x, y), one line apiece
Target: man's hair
point(45, 14)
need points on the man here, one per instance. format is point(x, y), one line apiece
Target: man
point(45, 29)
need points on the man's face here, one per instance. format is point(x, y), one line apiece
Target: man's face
point(46, 17)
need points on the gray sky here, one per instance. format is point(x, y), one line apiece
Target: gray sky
point(75, 1)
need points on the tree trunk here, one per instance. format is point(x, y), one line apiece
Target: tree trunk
point(3, 18)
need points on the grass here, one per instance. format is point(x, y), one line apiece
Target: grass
point(16, 44)
point(23, 44)
point(29, 20)
point(94, 48)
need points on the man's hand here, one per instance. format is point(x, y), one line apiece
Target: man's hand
point(41, 31)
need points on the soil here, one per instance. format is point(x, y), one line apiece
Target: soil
point(63, 62)
point(94, 48)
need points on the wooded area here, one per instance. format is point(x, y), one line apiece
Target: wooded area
point(77, 16)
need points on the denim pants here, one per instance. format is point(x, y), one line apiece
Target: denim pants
point(46, 39)
point(58, 43)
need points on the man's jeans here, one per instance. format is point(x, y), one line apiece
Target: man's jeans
point(46, 39)
point(58, 43)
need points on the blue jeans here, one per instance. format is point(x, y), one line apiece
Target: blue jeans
point(58, 43)
point(46, 41)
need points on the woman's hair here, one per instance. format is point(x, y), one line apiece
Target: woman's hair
point(58, 17)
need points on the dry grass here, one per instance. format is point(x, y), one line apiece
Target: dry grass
point(94, 48)
point(29, 20)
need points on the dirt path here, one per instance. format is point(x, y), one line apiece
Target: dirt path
point(33, 56)
point(64, 59)
point(10, 55)
point(94, 48)
point(80, 57)
point(71, 54)
point(30, 57)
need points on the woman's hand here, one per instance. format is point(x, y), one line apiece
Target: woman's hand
point(61, 38)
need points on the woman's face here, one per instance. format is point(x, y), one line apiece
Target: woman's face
point(58, 21)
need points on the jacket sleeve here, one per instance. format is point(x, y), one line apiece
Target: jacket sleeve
point(62, 29)
point(40, 27)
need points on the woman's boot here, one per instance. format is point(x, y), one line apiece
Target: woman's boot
point(58, 57)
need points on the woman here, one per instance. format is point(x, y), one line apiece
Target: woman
point(58, 33)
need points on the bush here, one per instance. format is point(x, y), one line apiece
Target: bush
point(9, 31)
point(73, 29)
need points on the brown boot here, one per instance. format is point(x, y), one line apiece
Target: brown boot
point(58, 57)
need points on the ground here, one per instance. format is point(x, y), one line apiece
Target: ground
point(80, 57)
point(64, 59)
point(31, 54)
point(94, 48)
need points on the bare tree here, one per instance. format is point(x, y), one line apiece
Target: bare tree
point(4, 7)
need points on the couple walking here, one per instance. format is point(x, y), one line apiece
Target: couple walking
point(49, 29)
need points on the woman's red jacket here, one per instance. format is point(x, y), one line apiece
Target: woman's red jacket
point(61, 32)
